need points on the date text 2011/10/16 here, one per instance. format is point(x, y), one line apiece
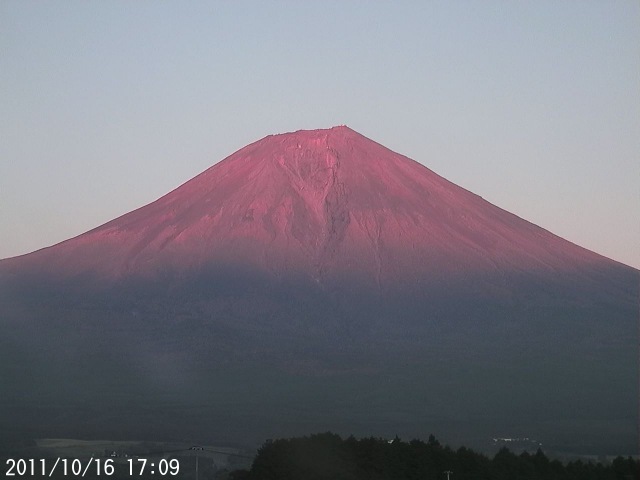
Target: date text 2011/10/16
point(75, 467)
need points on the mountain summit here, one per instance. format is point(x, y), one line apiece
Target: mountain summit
point(316, 281)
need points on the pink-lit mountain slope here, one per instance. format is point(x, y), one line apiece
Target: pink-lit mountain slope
point(326, 205)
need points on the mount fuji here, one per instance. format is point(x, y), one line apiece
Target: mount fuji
point(317, 280)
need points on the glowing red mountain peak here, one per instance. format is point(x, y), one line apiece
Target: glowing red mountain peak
point(324, 204)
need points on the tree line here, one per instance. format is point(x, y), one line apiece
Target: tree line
point(327, 456)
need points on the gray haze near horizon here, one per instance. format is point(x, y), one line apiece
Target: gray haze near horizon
point(105, 106)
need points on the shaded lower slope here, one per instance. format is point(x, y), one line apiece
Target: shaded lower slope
point(241, 357)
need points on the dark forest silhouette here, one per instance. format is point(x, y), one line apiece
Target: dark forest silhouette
point(327, 456)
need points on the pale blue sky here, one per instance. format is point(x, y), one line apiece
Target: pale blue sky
point(107, 105)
